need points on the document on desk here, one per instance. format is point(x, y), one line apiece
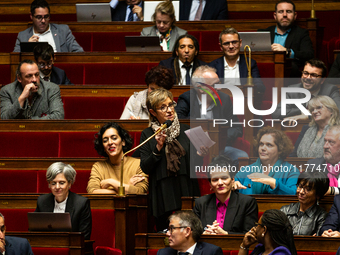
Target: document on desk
point(199, 138)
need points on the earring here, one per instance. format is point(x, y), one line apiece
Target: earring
point(262, 234)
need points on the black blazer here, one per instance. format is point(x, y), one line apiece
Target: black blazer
point(59, 77)
point(170, 63)
point(78, 207)
point(201, 248)
point(333, 219)
point(119, 13)
point(213, 10)
point(241, 215)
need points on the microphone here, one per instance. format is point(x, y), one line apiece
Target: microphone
point(121, 188)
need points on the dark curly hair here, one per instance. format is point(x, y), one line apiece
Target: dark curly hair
point(39, 4)
point(161, 76)
point(124, 135)
point(282, 141)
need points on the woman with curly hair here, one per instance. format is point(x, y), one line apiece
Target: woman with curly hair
point(156, 77)
point(270, 174)
point(112, 141)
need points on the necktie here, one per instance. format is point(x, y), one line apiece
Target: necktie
point(130, 18)
point(187, 76)
point(199, 11)
point(46, 78)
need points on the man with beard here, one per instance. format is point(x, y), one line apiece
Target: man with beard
point(313, 79)
point(184, 59)
point(44, 57)
point(288, 37)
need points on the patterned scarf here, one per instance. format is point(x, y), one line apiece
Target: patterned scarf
point(164, 39)
point(333, 173)
point(311, 146)
point(173, 149)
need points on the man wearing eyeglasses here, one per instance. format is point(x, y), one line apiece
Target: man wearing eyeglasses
point(44, 57)
point(292, 39)
point(184, 231)
point(232, 65)
point(58, 36)
point(313, 79)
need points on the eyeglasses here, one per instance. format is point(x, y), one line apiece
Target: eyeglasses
point(257, 224)
point(43, 65)
point(40, 17)
point(304, 187)
point(234, 43)
point(164, 108)
point(171, 229)
point(312, 75)
point(318, 108)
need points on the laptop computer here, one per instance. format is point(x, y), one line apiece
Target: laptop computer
point(29, 46)
point(150, 6)
point(257, 41)
point(93, 12)
point(142, 43)
point(49, 221)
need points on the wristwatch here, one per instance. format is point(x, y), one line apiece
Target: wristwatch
point(288, 52)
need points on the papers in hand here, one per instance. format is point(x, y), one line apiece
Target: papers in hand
point(199, 138)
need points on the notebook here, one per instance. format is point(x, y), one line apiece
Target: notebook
point(93, 12)
point(29, 46)
point(142, 43)
point(49, 221)
point(258, 41)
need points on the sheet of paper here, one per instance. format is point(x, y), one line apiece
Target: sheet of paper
point(199, 138)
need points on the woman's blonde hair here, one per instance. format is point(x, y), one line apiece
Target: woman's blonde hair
point(156, 97)
point(329, 104)
point(167, 8)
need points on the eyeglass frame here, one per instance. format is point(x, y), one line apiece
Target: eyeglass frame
point(42, 66)
point(259, 224)
point(312, 75)
point(234, 43)
point(300, 186)
point(171, 229)
point(40, 17)
point(174, 104)
point(318, 108)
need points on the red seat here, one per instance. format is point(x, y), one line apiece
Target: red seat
point(75, 72)
point(16, 219)
point(22, 181)
point(5, 71)
point(102, 250)
point(111, 41)
point(77, 144)
point(103, 236)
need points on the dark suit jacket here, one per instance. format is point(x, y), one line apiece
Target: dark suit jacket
point(78, 207)
point(170, 63)
point(224, 111)
point(218, 64)
point(326, 89)
point(241, 215)
point(213, 10)
point(59, 77)
point(201, 249)
point(335, 69)
point(119, 13)
point(299, 41)
point(17, 246)
point(333, 219)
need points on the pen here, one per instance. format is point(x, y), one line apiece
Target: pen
point(132, 114)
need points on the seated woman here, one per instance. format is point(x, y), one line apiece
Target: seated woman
point(325, 113)
point(164, 27)
point(306, 216)
point(112, 142)
point(270, 174)
point(225, 211)
point(274, 234)
point(60, 177)
point(156, 77)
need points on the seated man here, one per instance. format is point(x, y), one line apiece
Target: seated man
point(44, 57)
point(12, 245)
point(58, 36)
point(128, 10)
point(29, 97)
point(190, 103)
point(185, 229)
point(233, 64)
point(313, 79)
point(203, 10)
point(329, 163)
point(331, 226)
point(292, 39)
point(184, 59)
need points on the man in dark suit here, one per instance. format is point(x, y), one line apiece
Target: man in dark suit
point(44, 57)
point(184, 231)
point(128, 10)
point(286, 36)
point(313, 79)
point(184, 59)
point(331, 226)
point(232, 65)
point(329, 163)
point(203, 10)
point(12, 245)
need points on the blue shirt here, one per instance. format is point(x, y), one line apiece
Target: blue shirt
point(281, 39)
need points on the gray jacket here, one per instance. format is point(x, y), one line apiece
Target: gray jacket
point(305, 223)
point(63, 38)
point(48, 104)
